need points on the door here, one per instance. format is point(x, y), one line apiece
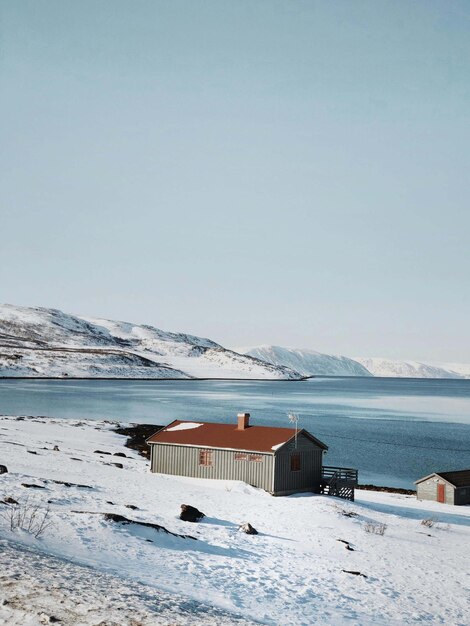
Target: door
point(441, 492)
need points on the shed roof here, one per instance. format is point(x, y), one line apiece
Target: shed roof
point(227, 436)
point(459, 478)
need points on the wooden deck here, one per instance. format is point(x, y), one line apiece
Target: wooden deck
point(339, 482)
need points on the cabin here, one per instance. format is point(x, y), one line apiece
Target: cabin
point(446, 487)
point(281, 461)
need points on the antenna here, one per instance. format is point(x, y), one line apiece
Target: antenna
point(294, 418)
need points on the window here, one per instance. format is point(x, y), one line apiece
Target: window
point(256, 458)
point(205, 458)
point(295, 462)
point(241, 456)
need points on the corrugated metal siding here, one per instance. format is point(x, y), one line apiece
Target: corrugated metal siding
point(309, 476)
point(184, 461)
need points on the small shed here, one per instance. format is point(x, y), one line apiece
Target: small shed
point(447, 487)
point(279, 460)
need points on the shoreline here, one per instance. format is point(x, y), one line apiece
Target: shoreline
point(189, 379)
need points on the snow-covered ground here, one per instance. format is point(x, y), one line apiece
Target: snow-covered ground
point(293, 572)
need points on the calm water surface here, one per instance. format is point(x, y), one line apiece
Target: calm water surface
point(392, 430)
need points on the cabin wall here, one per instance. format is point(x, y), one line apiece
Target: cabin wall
point(184, 461)
point(308, 478)
point(427, 490)
point(462, 495)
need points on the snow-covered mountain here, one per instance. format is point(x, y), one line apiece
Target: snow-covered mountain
point(41, 342)
point(309, 362)
point(406, 369)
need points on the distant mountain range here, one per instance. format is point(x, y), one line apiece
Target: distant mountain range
point(412, 369)
point(309, 362)
point(40, 342)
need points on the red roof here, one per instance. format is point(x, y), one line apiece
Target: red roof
point(226, 436)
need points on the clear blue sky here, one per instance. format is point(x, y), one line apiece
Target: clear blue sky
point(292, 172)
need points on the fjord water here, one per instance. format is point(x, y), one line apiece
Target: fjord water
point(393, 430)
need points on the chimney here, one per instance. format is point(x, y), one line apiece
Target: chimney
point(243, 421)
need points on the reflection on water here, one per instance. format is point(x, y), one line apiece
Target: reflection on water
point(393, 430)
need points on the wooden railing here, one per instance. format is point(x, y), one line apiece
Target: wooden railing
point(339, 482)
point(339, 473)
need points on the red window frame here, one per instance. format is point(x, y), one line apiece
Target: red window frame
point(295, 462)
point(205, 458)
point(241, 456)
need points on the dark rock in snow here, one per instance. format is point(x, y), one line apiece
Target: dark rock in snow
point(31, 451)
point(137, 436)
point(131, 506)
point(248, 529)
point(190, 513)
point(347, 571)
point(9, 500)
point(120, 454)
point(120, 465)
point(67, 484)
point(3, 469)
point(32, 486)
point(56, 448)
point(101, 452)
point(120, 519)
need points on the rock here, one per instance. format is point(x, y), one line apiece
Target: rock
point(56, 448)
point(120, 465)
point(101, 452)
point(354, 573)
point(3, 469)
point(131, 506)
point(120, 454)
point(67, 484)
point(9, 500)
point(248, 529)
point(32, 486)
point(48, 619)
point(31, 451)
point(120, 519)
point(190, 513)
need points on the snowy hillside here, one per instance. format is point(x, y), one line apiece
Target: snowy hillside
point(308, 362)
point(311, 363)
point(42, 342)
point(462, 369)
point(316, 559)
point(405, 369)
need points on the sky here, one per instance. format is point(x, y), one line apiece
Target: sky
point(258, 172)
